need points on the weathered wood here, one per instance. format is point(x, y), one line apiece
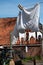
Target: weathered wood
point(30, 45)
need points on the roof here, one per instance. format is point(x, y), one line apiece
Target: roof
point(6, 26)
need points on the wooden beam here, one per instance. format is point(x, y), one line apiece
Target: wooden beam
point(30, 45)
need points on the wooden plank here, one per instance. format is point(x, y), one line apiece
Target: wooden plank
point(30, 45)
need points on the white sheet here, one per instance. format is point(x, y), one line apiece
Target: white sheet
point(29, 18)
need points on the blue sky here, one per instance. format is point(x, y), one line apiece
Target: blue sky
point(9, 8)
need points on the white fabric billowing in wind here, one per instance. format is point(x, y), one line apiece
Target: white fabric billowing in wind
point(29, 18)
point(22, 35)
point(14, 40)
point(32, 34)
point(15, 35)
point(39, 33)
point(20, 21)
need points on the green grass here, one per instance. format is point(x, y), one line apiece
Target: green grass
point(32, 58)
point(38, 57)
